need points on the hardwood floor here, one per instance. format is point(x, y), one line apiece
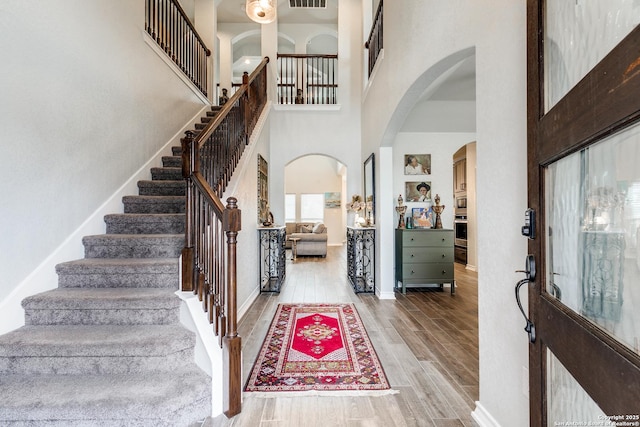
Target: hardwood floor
point(427, 342)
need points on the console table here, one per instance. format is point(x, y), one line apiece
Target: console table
point(272, 258)
point(424, 257)
point(361, 255)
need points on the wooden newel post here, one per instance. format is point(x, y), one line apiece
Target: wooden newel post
point(232, 343)
point(188, 253)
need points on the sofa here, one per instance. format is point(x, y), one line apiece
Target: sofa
point(313, 238)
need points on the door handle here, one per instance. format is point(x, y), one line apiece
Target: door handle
point(530, 276)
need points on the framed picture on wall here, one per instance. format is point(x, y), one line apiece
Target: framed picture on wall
point(417, 164)
point(417, 191)
point(263, 190)
point(332, 200)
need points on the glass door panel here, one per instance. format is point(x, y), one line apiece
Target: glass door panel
point(578, 34)
point(593, 234)
point(569, 404)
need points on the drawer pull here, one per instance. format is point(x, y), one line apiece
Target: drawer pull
point(444, 256)
point(443, 239)
point(444, 271)
point(412, 272)
point(412, 239)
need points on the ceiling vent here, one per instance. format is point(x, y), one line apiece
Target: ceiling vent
point(308, 3)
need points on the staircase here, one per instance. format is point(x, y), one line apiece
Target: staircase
point(106, 347)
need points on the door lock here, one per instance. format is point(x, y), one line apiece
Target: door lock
point(530, 276)
point(529, 228)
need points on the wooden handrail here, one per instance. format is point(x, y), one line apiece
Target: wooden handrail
point(168, 24)
point(375, 41)
point(209, 265)
point(307, 55)
point(228, 106)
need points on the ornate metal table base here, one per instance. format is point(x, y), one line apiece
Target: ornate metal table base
point(271, 254)
point(361, 245)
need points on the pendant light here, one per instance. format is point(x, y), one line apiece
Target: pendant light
point(261, 11)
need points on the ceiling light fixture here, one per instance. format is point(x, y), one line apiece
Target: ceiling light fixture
point(261, 11)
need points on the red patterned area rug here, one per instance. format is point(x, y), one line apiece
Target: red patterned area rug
point(317, 347)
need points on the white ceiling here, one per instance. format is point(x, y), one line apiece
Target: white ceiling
point(233, 11)
point(446, 106)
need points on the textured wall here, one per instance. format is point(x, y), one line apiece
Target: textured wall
point(85, 103)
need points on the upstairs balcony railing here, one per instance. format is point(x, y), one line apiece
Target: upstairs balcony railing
point(208, 262)
point(169, 26)
point(374, 44)
point(307, 79)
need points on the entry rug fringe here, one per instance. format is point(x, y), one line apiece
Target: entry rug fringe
point(321, 393)
point(317, 349)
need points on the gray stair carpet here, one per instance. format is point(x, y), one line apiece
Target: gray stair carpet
point(106, 347)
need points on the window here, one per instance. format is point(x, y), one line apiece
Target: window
point(289, 208)
point(311, 207)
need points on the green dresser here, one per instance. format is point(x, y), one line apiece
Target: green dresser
point(424, 257)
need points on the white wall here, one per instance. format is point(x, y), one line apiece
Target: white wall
point(333, 131)
point(80, 113)
point(501, 202)
point(441, 146)
point(421, 43)
point(318, 175)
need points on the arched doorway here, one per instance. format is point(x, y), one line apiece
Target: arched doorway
point(315, 190)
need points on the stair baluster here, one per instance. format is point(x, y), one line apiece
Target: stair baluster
point(209, 264)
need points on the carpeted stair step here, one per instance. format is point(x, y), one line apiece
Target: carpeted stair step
point(102, 306)
point(133, 245)
point(160, 399)
point(200, 126)
point(162, 188)
point(165, 223)
point(173, 174)
point(119, 273)
point(172, 161)
point(154, 204)
point(95, 349)
point(176, 150)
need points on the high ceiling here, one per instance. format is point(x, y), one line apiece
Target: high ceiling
point(233, 11)
point(447, 106)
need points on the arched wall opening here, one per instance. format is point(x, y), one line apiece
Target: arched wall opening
point(315, 191)
point(399, 141)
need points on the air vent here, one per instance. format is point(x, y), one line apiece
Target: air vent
point(308, 3)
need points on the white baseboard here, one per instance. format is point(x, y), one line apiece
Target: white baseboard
point(387, 295)
point(44, 277)
point(208, 354)
point(244, 308)
point(483, 417)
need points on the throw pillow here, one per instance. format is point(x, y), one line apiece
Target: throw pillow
point(319, 228)
point(304, 229)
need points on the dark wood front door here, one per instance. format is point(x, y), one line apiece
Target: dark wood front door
point(584, 186)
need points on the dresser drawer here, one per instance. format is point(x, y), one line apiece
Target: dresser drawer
point(429, 271)
point(412, 254)
point(427, 238)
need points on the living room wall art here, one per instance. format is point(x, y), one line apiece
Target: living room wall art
point(332, 200)
point(263, 190)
